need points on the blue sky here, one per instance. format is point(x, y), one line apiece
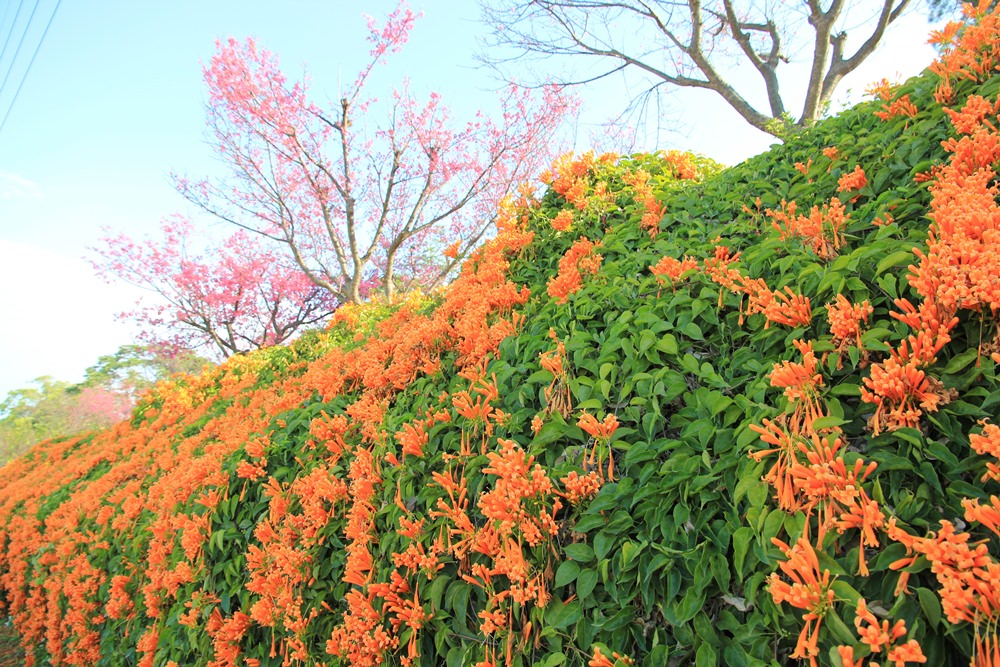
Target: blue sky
point(114, 102)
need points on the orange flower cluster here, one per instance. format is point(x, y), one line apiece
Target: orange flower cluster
point(601, 660)
point(957, 272)
point(821, 231)
point(601, 432)
point(778, 307)
point(852, 181)
point(578, 260)
point(801, 383)
point(681, 163)
point(988, 442)
point(580, 488)
point(968, 575)
point(976, 53)
point(643, 193)
point(563, 221)
point(810, 590)
point(568, 176)
point(557, 394)
point(845, 320)
point(518, 501)
point(672, 270)
point(880, 637)
point(901, 106)
point(163, 478)
point(413, 436)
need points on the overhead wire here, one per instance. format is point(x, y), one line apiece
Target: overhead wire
point(30, 62)
point(10, 32)
point(20, 43)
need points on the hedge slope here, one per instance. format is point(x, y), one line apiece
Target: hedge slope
point(666, 416)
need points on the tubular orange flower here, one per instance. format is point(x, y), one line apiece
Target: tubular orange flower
point(563, 220)
point(672, 269)
point(579, 489)
point(599, 430)
point(578, 260)
point(821, 230)
point(852, 181)
point(845, 320)
point(811, 590)
point(598, 659)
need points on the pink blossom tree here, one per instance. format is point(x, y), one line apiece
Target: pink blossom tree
point(235, 296)
point(358, 205)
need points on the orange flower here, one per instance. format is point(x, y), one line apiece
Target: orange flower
point(900, 107)
point(811, 590)
point(536, 424)
point(579, 489)
point(563, 220)
point(671, 269)
point(801, 383)
point(988, 443)
point(579, 259)
point(822, 230)
point(600, 660)
point(852, 181)
point(599, 430)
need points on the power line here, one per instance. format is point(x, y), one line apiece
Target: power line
point(20, 43)
point(10, 31)
point(30, 62)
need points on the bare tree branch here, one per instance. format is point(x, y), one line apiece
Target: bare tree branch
point(697, 42)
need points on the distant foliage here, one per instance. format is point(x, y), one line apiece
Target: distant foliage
point(736, 434)
point(107, 394)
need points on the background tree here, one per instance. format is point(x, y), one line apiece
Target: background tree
point(355, 204)
point(133, 369)
point(231, 297)
point(695, 44)
point(107, 394)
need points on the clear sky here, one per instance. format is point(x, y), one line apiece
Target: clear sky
point(114, 102)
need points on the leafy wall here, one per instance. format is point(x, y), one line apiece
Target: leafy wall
point(671, 415)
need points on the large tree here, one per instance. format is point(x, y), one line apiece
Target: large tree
point(358, 203)
point(697, 43)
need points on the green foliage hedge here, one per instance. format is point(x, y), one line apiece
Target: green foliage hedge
point(668, 563)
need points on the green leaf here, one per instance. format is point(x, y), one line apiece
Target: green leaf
point(741, 544)
point(566, 573)
point(960, 361)
point(828, 422)
point(603, 542)
point(894, 259)
point(554, 660)
point(930, 604)
point(560, 615)
point(667, 344)
point(841, 632)
point(585, 583)
point(582, 553)
point(705, 657)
